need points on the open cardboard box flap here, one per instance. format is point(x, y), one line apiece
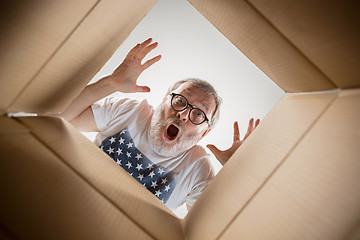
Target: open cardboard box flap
point(53, 169)
point(44, 72)
point(302, 47)
point(42, 197)
point(296, 177)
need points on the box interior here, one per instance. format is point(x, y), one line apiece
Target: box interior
point(295, 177)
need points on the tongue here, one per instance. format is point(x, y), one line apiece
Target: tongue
point(172, 132)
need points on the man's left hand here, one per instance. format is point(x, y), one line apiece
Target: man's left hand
point(223, 156)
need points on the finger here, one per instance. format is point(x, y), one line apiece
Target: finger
point(151, 62)
point(145, 43)
point(251, 124)
point(141, 54)
point(236, 131)
point(257, 122)
point(133, 51)
point(250, 128)
point(142, 89)
point(214, 150)
point(138, 47)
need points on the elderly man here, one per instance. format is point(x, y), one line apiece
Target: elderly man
point(158, 148)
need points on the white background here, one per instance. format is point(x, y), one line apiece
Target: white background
point(191, 47)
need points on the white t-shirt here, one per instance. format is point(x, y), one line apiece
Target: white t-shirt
point(123, 125)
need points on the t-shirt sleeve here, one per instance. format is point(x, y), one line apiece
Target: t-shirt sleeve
point(111, 108)
point(203, 175)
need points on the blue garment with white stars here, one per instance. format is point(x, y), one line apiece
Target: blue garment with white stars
point(157, 179)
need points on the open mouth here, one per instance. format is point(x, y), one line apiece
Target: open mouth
point(171, 132)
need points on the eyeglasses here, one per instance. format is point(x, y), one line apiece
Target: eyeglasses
point(180, 103)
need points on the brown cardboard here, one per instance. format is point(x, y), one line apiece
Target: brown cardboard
point(31, 32)
point(5, 234)
point(9, 126)
point(103, 174)
point(295, 177)
point(42, 198)
point(354, 234)
point(315, 194)
point(253, 164)
point(263, 44)
point(69, 67)
point(326, 32)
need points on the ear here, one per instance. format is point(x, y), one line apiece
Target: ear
point(206, 132)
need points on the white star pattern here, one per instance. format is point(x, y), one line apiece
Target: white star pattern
point(163, 181)
point(141, 176)
point(139, 167)
point(154, 184)
point(119, 162)
point(152, 174)
point(119, 151)
point(156, 178)
point(157, 193)
point(110, 150)
point(138, 156)
point(129, 165)
point(112, 140)
point(161, 171)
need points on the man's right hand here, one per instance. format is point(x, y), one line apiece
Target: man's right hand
point(123, 79)
point(125, 76)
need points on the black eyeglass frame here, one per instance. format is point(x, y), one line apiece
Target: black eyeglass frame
point(191, 108)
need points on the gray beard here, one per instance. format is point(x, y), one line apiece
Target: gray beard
point(156, 138)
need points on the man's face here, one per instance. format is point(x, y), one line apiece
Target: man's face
point(171, 131)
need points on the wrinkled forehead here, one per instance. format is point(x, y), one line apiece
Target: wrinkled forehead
point(196, 97)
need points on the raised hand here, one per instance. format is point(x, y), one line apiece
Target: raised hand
point(125, 76)
point(223, 156)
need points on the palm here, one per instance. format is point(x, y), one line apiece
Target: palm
point(124, 78)
point(224, 156)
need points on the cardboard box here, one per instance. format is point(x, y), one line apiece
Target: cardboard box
point(296, 177)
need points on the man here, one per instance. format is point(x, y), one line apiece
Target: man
point(158, 148)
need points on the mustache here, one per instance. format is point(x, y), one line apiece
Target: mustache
point(176, 121)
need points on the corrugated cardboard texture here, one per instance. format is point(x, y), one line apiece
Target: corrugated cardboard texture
point(8, 127)
point(296, 177)
point(251, 166)
point(42, 198)
point(315, 194)
point(102, 173)
point(264, 45)
point(30, 33)
point(71, 65)
point(327, 32)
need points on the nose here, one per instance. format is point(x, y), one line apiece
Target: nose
point(184, 114)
